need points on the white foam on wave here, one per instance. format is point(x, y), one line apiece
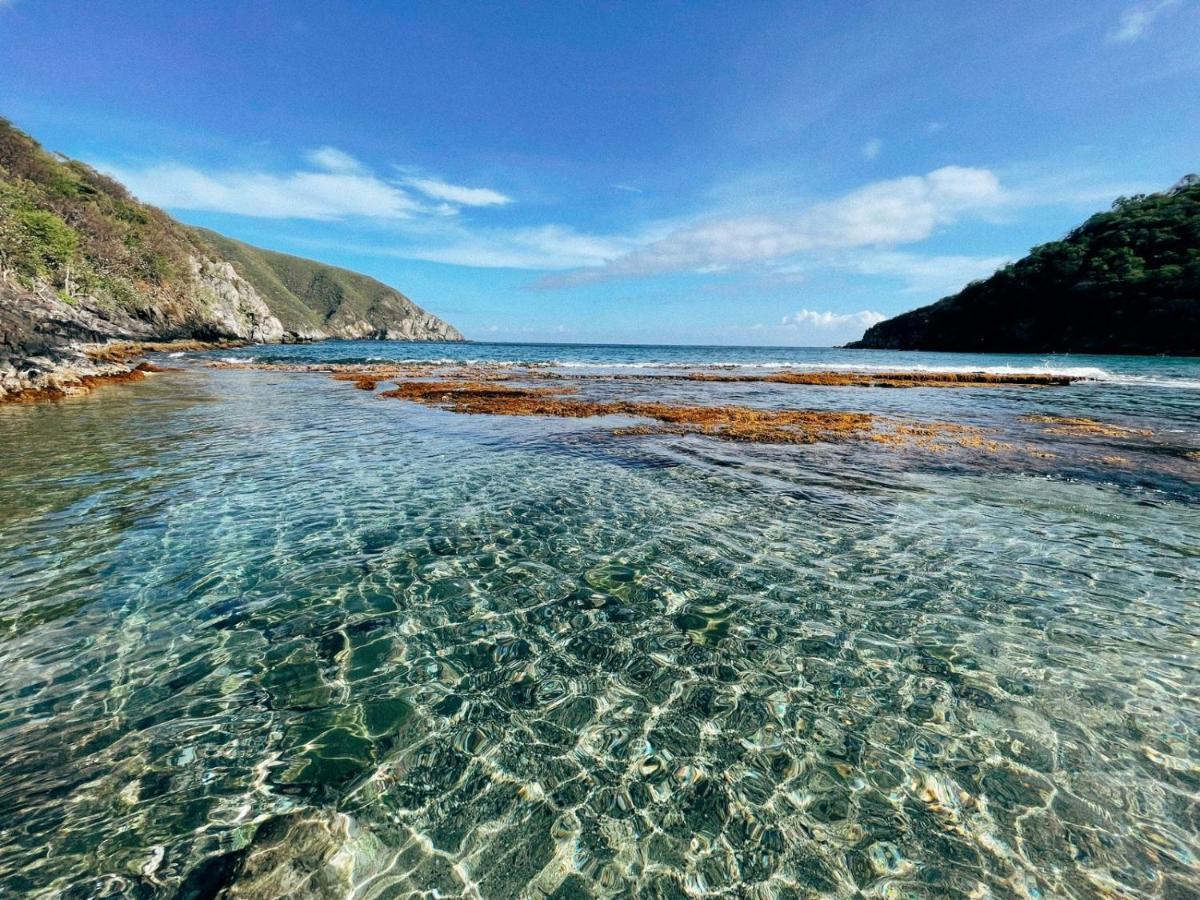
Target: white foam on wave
point(238, 359)
point(1081, 373)
point(1091, 373)
point(441, 361)
point(1190, 384)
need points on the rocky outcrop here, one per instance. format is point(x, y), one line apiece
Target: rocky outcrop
point(314, 301)
point(234, 308)
point(414, 328)
point(45, 340)
point(82, 261)
point(41, 338)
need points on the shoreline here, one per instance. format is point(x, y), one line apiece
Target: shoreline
point(801, 409)
point(80, 368)
point(85, 367)
point(77, 368)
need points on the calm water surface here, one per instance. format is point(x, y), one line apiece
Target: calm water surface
point(262, 634)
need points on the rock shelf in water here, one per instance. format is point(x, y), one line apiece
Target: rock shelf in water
point(115, 362)
point(735, 423)
point(519, 390)
point(1080, 426)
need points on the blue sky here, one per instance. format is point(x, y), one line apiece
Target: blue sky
point(755, 173)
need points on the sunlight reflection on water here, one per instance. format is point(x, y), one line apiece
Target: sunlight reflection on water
point(269, 633)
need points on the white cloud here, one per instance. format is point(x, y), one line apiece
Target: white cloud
point(872, 148)
point(935, 127)
point(827, 321)
point(1136, 21)
point(882, 214)
point(337, 186)
point(539, 247)
point(864, 231)
point(294, 195)
point(527, 330)
point(453, 193)
point(820, 328)
point(332, 159)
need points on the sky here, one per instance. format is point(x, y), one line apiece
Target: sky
point(646, 172)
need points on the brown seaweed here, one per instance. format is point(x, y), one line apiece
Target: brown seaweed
point(894, 379)
point(1081, 426)
point(735, 423)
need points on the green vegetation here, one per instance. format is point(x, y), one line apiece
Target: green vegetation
point(306, 295)
point(1125, 281)
point(48, 241)
point(68, 231)
point(64, 224)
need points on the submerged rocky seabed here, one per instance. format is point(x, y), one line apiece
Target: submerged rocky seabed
point(266, 634)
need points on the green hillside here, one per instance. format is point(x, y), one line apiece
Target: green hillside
point(82, 260)
point(1125, 281)
point(308, 295)
point(65, 226)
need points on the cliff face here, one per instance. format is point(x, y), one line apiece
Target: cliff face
point(318, 301)
point(82, 261)
point(43, 333)
point(1126, 281)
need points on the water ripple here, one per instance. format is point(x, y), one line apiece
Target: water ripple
point(332, 646)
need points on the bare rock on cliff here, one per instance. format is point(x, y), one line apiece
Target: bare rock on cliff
point(83, 261)
point(232, 306)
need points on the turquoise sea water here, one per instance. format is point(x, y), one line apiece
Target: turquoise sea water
point(263, 634)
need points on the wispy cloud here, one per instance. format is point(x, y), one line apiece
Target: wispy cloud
point(872, 148)
point(294, 195)
point(542, 247)
point(457, 194)
point(885, 213)
point(818, 328)
point(412, 216)
point(335, 186)
point(1136, 21)
point(334, 160)
point(926, 274)
point(528, 330)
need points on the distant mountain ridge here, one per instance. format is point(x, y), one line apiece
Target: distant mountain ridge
point(1125, 281)
point(83, 261)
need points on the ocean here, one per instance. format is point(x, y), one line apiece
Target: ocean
point(265, 633)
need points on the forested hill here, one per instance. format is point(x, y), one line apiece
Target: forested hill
point(1125, 281)
point(83, 261)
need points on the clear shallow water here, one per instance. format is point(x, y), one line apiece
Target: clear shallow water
point(267, 634)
